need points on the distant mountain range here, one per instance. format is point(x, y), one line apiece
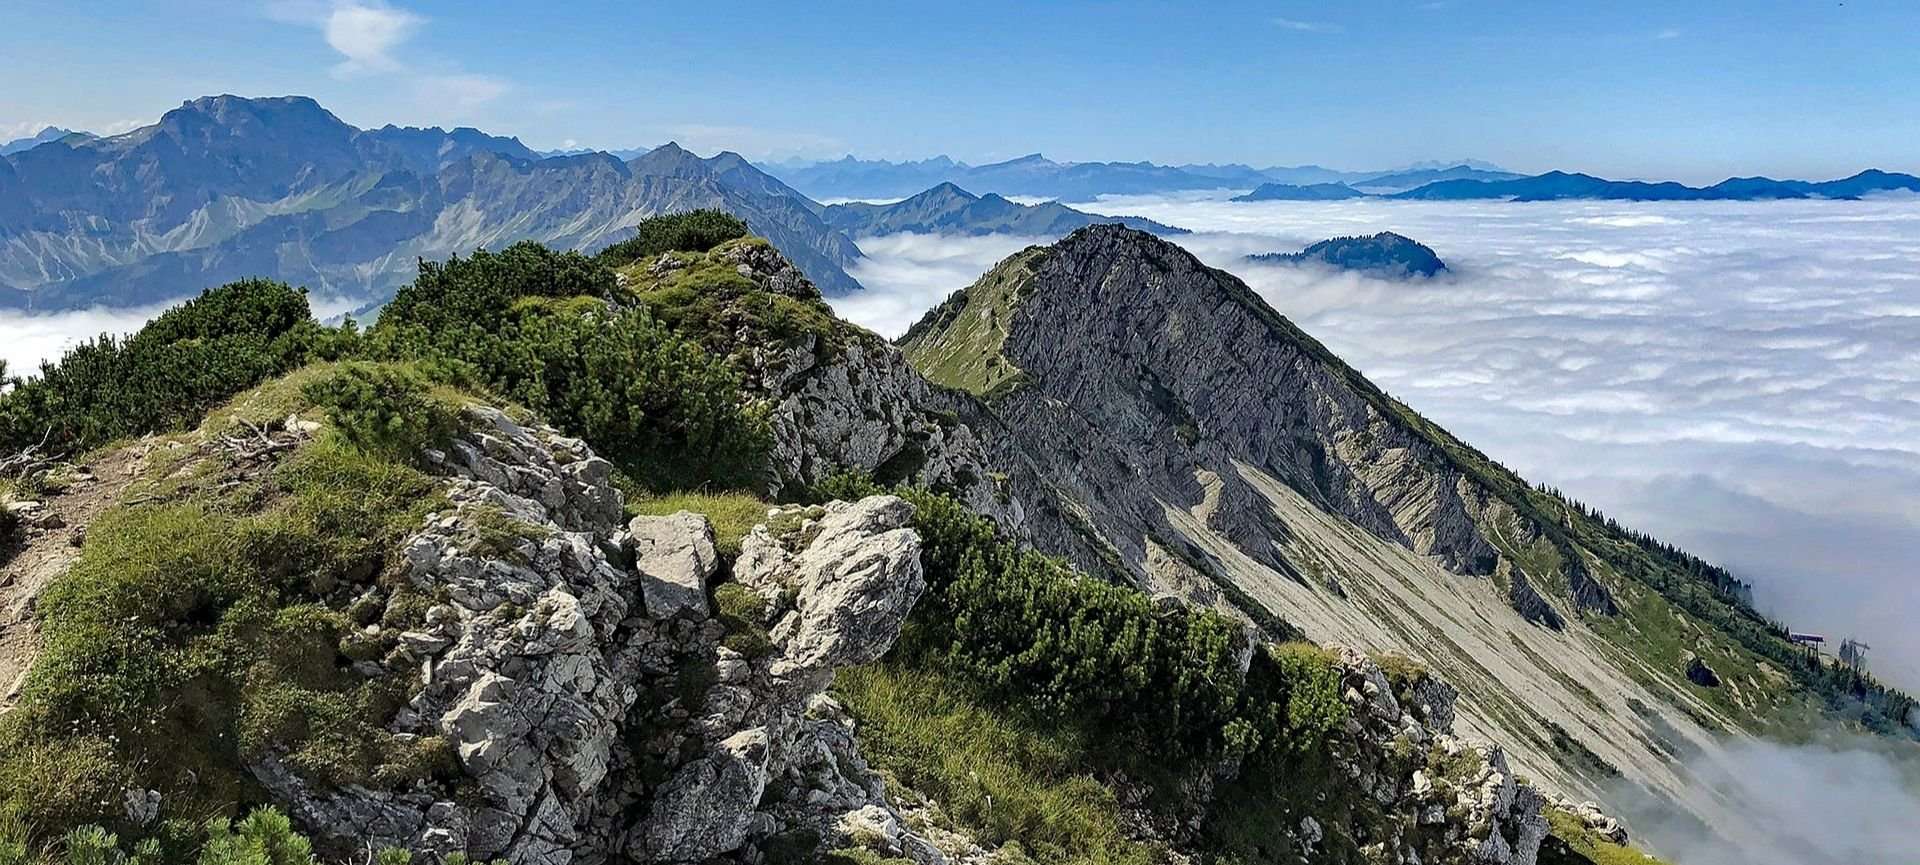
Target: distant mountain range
point(1385, 184)
point(948, 209)
point(1036, 175)
point(1309, 192)
point(1384, 254)
point(226, 187)
point(1404, 180)
point(1462, 183)
point(622, 154)
point(51, 133)
point(1558, 185)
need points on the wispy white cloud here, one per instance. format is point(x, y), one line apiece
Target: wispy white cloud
point(1738, 378)
point(1837, 799)
point(373, 39)
point(459, 93)
point(1298, 25)
point(367, 34)
point(26, 339)
point(907, 274)
point(1668, 33)
point(23, 129)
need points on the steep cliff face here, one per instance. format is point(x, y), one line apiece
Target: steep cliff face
point(1178, 431)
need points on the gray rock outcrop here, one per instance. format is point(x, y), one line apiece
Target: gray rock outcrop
point(1455, 801)
point(594, 705)
point(834, 584)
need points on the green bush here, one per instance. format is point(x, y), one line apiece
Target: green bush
point(706, 298)
point(264, 837)
point(384, 408)
point(167, 375)
point(462, 298)
point(693, 231)
point(1027, 628)
point(534, 326)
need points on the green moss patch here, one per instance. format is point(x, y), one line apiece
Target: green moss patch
point(733, 514)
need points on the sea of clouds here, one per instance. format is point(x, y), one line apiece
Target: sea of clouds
point(1741, 379)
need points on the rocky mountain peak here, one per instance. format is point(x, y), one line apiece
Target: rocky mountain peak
point(289, 117)
point(945, 190)
point(1186, 437)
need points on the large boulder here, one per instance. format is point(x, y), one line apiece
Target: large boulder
point(706, 809)
point(852, 584)
point(675, 556)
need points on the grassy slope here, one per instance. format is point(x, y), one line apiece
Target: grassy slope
point(704, 296)
point(201, 625)
point(1572, 843)
point(958, 343)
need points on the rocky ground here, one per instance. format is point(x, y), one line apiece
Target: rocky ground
point(613, 692)
point(600, 705)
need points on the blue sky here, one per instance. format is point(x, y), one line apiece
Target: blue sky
point(1694, 91)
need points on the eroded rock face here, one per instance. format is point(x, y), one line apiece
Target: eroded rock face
point(863, 409)
point(597, 709)
point(850, 402)
point(522, 664)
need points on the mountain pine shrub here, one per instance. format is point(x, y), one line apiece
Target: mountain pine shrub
point(166, 376)
point(692, 231)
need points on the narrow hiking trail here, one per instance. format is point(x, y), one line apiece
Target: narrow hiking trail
point(46, 545)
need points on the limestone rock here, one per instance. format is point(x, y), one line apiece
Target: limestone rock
point(675, 556)
point(1499, 820)
point(856, 580)
point(523, 666)
point(706, 809)
point(573, 671)
point(839, 581)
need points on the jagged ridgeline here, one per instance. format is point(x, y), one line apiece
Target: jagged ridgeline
point(648, 557)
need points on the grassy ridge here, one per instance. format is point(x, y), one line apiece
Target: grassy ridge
point(207, 623)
